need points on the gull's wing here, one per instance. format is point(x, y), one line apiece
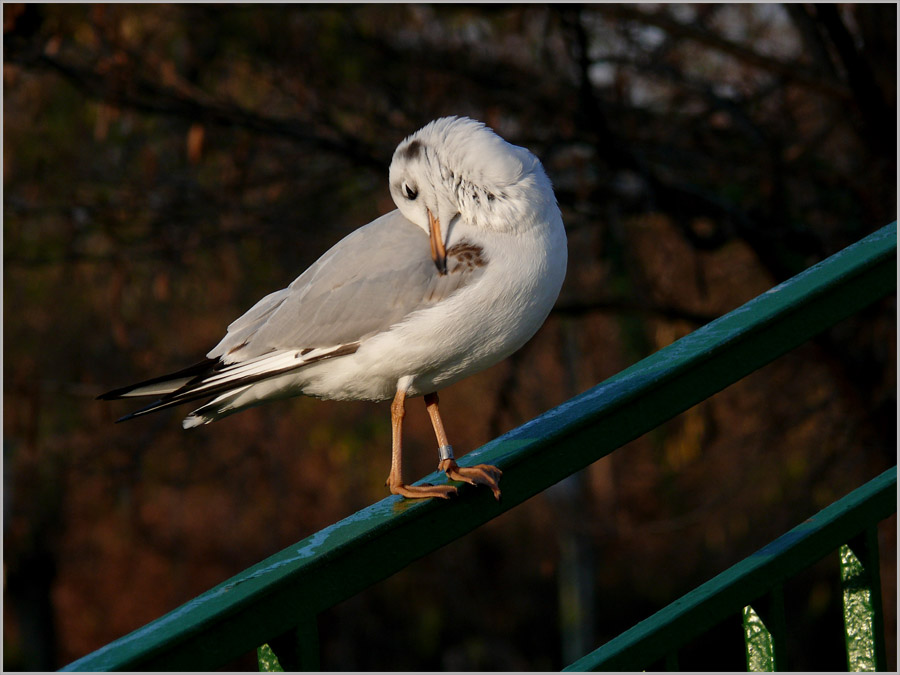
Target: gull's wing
point(370, 280)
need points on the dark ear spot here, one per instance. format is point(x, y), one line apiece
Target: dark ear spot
point(412, 150)
point(466, 256)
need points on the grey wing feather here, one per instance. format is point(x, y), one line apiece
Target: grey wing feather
point(242, 328)
point(367, 282)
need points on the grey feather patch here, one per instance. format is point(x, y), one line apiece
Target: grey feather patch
point(369, 281)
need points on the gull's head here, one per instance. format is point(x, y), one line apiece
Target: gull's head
point(456, 169)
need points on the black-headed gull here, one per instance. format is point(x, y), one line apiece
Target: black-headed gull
point(457, 278)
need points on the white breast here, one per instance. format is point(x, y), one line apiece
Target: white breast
point(473, 329)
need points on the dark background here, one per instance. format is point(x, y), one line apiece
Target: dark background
point(166, 166)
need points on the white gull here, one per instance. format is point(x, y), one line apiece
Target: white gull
point(457, 278)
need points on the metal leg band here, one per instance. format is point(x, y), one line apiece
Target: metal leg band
point(445, 452)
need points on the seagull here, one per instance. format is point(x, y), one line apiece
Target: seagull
point(459, 276)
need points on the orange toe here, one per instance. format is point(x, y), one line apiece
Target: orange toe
point(424, 491)
point(481, 474)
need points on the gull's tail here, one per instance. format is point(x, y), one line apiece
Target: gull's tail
point(171, 389)
point(225, 381)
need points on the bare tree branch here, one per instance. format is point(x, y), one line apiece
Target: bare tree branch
point(140, 94)
point(789, 71)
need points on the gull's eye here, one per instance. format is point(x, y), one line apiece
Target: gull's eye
point(410, 193)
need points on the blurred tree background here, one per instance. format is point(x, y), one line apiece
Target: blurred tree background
point(167, 165)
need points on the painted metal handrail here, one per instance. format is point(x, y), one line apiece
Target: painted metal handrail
point(277, 601)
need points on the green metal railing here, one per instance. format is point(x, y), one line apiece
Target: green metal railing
point(276, 602)
point(754, 587)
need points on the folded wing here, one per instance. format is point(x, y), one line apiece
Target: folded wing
point(369, 281)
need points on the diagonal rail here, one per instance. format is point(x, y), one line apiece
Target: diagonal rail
point(701, 609)
point(276, 595)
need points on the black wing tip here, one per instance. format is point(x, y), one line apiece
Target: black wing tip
point(111, 395)
point(196, 370)
point(156, 405)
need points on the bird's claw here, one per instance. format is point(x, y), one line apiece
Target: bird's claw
point(481, 474)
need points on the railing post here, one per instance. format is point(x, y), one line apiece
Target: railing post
point(863, 614)
point(758, 643)
point(765, 640)
point(296, 650)
point(268, 662)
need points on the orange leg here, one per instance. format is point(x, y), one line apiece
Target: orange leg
point(482, 474)
point(395, 478)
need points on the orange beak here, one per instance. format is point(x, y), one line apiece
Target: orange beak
point(438, 252)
